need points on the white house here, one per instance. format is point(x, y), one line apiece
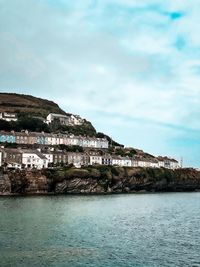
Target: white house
point(168, 163)
point(141, 162)
point(126, 162)
point(106, 159)
point(34, 159)
point(63, 119)
point(95, 159)
point(121, 161)
point(75, 120)
point(7, 116)
point(134, 162)
point(153, 163)
point(49, 157)
point(174, 164)
point(102, 143)
point(161, 163)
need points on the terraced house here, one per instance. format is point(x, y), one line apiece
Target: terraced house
point(42, 138)
point(12, 158)
point(7, 137)
point(78, 159)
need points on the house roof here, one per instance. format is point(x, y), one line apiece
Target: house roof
point(36, 152)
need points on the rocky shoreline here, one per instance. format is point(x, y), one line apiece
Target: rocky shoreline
point(98, 180)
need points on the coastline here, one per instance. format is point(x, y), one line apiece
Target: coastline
point(98, 181)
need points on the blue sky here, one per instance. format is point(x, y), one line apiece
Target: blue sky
point(131, 67)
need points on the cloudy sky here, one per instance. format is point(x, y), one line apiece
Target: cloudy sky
point(130, 67)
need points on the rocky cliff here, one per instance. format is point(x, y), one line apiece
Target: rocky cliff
point(99, 180)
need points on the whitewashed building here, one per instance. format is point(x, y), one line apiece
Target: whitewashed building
point(106, 159)
point(142, 162)
point(168, 163)
point(121, 161)
point(75, 120)
point(7, 116)
point(153, 163)
point(161, 163)
point(34, 159)
point(63, 119)
point(95, 159)
point(174, 164)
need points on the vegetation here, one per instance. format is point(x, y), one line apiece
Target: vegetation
point(37, 107)
point(86, 129)
point(20, 103)
point(24, 123)
point(71, 148)
point(112, 143)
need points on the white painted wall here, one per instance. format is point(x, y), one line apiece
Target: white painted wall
point(32, 160)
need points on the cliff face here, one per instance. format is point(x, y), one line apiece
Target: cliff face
point(99, 180)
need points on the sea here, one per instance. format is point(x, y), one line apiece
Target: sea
point(136, 230)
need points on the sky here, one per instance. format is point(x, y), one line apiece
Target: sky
point(130, 67)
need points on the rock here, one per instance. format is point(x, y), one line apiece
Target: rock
point(5, 184)
point(82, 181)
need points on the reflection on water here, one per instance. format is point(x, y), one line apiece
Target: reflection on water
point(120, 230)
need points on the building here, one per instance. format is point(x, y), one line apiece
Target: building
point(33, 159)
point(22, 137)
point(60, 158)
point(75, 120)
point(49, 156)
point(121, 161)
point(168, 163)
point(174, 164)
point(7, 137)
point(12, 158)
point(95, 160)
point(7, 116)
point(153, 163)
point(63, 119)
point(41, 138)
point(78, 159)
point(106, 159)
point(140, 162)
point(161, 163)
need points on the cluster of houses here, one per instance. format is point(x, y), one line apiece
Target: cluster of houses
point(39, 159)
point(50, 139)
point(68, 120)
point(47, 155)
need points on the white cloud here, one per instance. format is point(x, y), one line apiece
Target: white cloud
point(111, 58)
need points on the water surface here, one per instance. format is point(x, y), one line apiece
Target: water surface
point(144, 230)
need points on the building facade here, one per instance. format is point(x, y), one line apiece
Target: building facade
point(7, 116)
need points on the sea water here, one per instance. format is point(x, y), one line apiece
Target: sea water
point(143, 230)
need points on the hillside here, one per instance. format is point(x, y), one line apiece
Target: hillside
point(27, 106)
point(17, 103)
